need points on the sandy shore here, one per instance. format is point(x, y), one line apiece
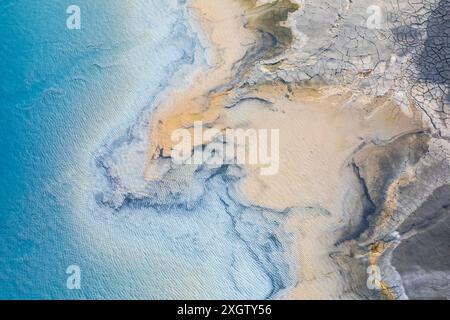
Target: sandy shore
point(320, 128)
point(319, 131)
point(199, 102)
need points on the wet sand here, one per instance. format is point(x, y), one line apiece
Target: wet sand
point(199, 102)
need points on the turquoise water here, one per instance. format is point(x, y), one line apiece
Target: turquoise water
point(59, 90)
point(66, 94)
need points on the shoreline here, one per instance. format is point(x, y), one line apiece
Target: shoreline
point(319, 195)
point(188, 104)
point(208, 105)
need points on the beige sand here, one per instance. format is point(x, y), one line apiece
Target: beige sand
point(318, 134)
point(319, 130)
point(228, 41)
